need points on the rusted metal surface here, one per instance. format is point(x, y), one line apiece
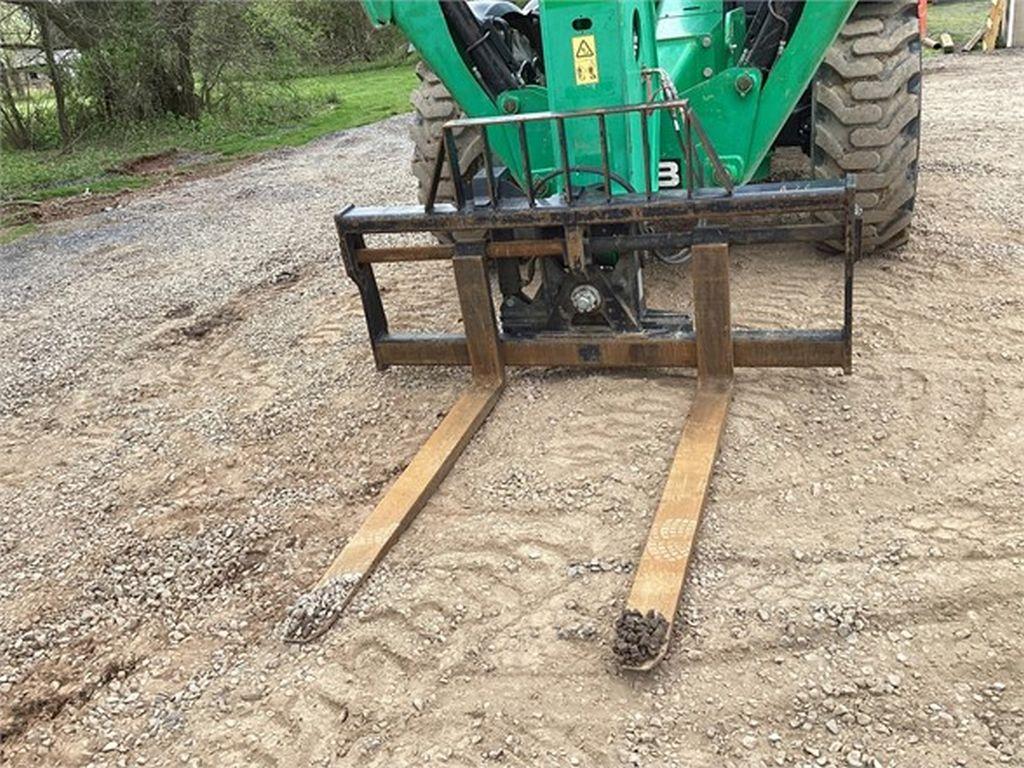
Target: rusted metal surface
point(410, 492)
point(604, 244)
point(661, 574)
point(574, 249)
point(477, 306)
point(590, 208)
point(576, 244)
point(712, 313)
point(406, 497)
point(751, 349)
point(513, 249)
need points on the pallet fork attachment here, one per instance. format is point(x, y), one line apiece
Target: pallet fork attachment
point(644, 628)
point(705, 220)
point(410, 492)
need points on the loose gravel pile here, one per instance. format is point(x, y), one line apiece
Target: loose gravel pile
point(316, 611)
point(639, 637)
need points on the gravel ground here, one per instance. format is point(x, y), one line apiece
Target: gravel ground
point(191, 426)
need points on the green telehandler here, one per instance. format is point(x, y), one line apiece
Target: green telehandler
point(567, 144)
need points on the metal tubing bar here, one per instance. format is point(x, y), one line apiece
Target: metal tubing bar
point(492, 183)
point(523, 249)
point(533, 117)
point(563, 151)
point(458, 183)
point(852, 254)
point(606, 173)
point(648, 191)
point(688, 153)
point(722, 176)
point(524, 153)
point(751, 199)
point(753, 236)
point(435, 177)
point(403, 254)
point(503, 249)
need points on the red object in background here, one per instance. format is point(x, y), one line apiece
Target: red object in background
point(922, 16)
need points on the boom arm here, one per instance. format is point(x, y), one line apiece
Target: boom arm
point(743, 83)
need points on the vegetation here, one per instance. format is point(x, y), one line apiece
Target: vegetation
point(88, 88)
point(275, 114)
point(12, 233)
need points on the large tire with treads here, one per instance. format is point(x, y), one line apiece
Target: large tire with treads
point(434, 106)
point(867, 115)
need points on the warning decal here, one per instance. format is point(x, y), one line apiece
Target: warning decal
point(584, 59)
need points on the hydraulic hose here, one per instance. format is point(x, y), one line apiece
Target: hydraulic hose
point(485, 50)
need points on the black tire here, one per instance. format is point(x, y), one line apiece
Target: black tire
point(867, 115)
point(435, 106)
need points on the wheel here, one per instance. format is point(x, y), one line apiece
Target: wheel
point(867, 115)
point(434, 107)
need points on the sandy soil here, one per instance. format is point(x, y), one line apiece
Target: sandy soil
point(191, 426)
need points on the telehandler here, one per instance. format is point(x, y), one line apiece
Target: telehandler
point(570, 142)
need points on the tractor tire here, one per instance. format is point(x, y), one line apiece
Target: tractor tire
point(867, 116)
point(434, 107)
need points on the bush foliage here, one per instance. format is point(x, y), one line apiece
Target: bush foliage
point(145, 60)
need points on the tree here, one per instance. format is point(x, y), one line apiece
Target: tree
point(16, 34)
point(141, 59)
point(56, 76)
point(136, 54)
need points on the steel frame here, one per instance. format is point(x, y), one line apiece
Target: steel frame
point(688, 132)
point(696, 218)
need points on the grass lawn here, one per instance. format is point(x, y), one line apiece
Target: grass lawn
point(961, 20)
point(280, 114)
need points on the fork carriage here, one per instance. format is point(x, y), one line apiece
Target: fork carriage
point(584, 307)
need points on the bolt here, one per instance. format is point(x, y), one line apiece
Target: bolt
point(585, 298)
point(708, 72)
point(744, 84)
point(706, 41)
point(510, 105)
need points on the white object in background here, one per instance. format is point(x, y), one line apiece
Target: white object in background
point(1013, 24)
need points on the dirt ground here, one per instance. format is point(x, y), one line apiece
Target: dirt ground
point(191, 427)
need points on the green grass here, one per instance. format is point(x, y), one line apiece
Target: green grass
point(362, 97)
point(267, 115)
point(960, 19)
point(10, 234)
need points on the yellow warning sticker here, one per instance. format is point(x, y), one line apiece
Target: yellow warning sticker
point(584, 59)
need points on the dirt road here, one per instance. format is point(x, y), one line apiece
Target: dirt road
point(191, 426)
